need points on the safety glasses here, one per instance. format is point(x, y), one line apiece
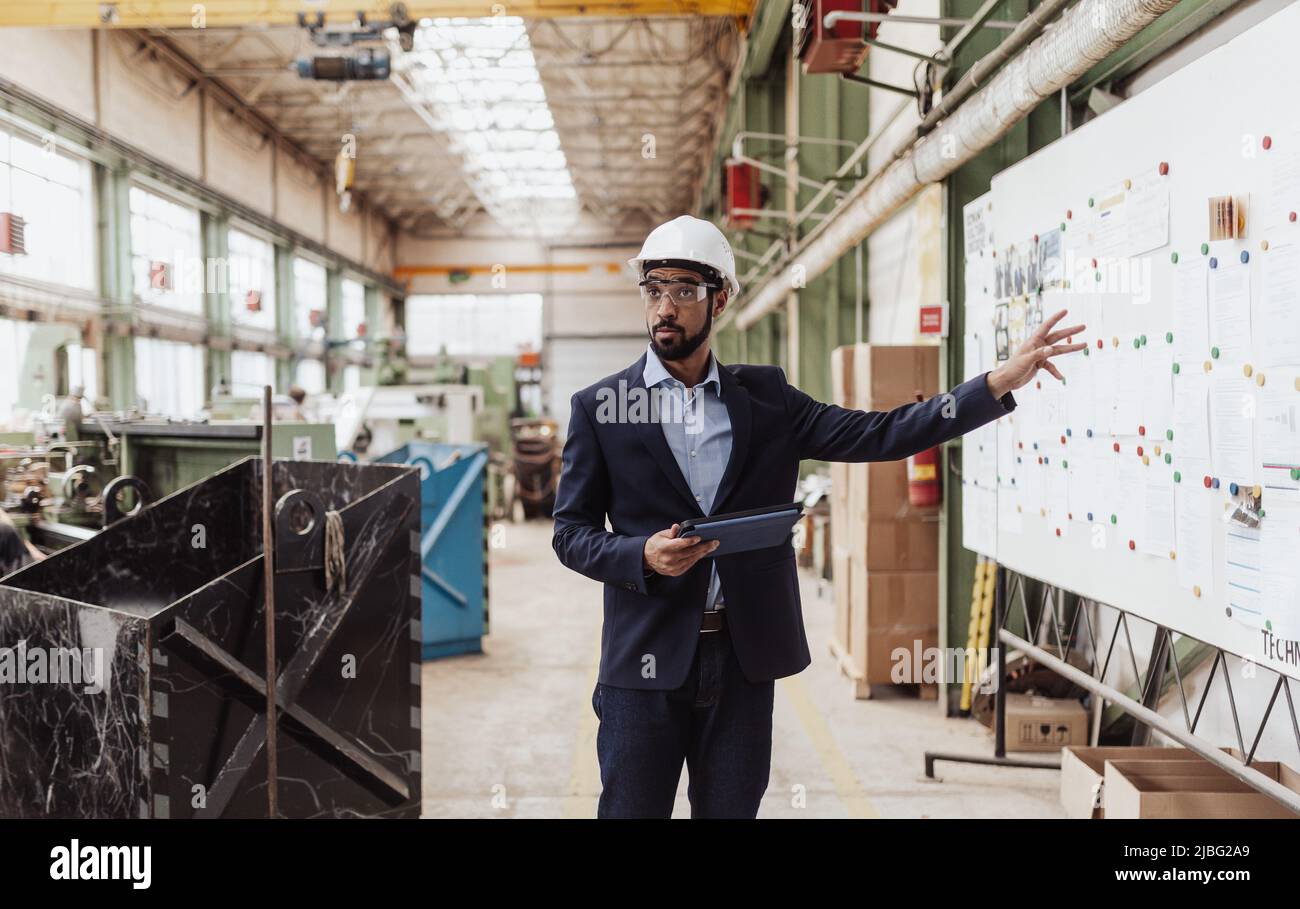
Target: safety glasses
point(679, 293)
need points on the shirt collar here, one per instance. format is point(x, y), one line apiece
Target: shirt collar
point(655, 373)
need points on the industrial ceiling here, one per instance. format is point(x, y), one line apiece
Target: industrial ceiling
point(532, 122)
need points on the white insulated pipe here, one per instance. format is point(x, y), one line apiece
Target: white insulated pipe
point(1082, 37)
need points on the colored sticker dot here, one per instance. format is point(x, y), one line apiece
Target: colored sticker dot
point(1176, 368)
point(1114, 519)
point(1169, 459)
point(1178, 477)
point(1173, 257)
point(1214, 261)
point(1090, 201)
point(1205, 248)
point(1169, 337)
point(1214, 352)
point(1245, 257)
point(1169, 434)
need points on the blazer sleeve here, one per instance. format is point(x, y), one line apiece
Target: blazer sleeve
point(826, 432)
point(581, 503)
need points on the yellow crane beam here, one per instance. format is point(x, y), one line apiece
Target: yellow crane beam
point(238, 13)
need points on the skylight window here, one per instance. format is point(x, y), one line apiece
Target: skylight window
point(480, 82)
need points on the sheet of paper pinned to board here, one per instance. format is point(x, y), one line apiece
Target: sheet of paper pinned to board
point(1157, 387)
point(979, 514)
point(1278, 420)
point(1279, 543)
point(1130, 500)
point(1243, 574)
point(1230, 311)
point(1191, 312)
point(1108, 228)
point(1148, 212)
point(1128, 391)
point(1284, 178)
point(1106, 379)
point(1193, 516)
point(1158, 512)
point(1191, 440)
point(1232, 428)
point(1279, 305)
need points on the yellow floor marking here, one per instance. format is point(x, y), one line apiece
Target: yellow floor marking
point(584, 776)
point(846, 783)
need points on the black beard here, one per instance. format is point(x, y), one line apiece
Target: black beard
point(687, 345)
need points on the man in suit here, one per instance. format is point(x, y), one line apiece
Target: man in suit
point(691, 645)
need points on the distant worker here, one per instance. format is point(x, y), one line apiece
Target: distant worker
point(70, 412)
point(691, 645)
point(299, 396)
point(16, 551)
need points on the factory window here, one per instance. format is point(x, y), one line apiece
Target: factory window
point(50, 192)
point(351, 377)
point(78, 367)
point(167, 261)
point(250, 271)
point(473, 324)
point(250, 371)
point(354, 309)
point(14, 339)
point(309, 375)
point(169, 377)
point(308, 298)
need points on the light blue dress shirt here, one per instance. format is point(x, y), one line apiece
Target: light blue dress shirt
point(697, 427)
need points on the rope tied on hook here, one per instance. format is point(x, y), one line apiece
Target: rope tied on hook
point(336, 565)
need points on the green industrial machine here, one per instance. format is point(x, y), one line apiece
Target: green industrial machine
point(169, 456)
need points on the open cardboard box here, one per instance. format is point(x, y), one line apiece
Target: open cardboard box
point(1156, 782)
point(1082, 771)
point(1190, 789)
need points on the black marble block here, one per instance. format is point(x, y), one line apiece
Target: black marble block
point(168, 604)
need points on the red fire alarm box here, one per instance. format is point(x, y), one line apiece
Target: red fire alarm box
point(841, 48)
point(744, 191)
point(253, 301)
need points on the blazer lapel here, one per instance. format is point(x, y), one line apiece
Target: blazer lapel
point(652, 436)
point(736, 397)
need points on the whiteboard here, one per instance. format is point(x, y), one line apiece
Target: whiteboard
point(1192, 373)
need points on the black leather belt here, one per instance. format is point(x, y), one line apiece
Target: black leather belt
point(713, 621)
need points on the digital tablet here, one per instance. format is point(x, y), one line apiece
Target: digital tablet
point(741, 531)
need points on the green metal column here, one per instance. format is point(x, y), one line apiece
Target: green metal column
point(117, 353)
point(215, 237)
point(284, 313)
point(333, 329)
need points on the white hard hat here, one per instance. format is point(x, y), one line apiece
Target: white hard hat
point(691, 240)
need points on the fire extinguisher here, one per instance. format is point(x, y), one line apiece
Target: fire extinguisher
point(924, 485)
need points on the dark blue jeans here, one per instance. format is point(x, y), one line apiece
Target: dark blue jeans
point(717, 722)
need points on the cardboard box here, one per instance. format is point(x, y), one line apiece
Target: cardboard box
point(888, 610)
point(1190, 789)
point(1083, 769)
point(841, 594)
point(1044, 724)
point(886, 376)
point(911, 545)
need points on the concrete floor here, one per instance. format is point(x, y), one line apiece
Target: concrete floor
point(511, 732)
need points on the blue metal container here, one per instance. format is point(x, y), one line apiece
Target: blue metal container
point(453, 544)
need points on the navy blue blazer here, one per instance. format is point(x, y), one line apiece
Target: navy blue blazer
point(624, 471)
